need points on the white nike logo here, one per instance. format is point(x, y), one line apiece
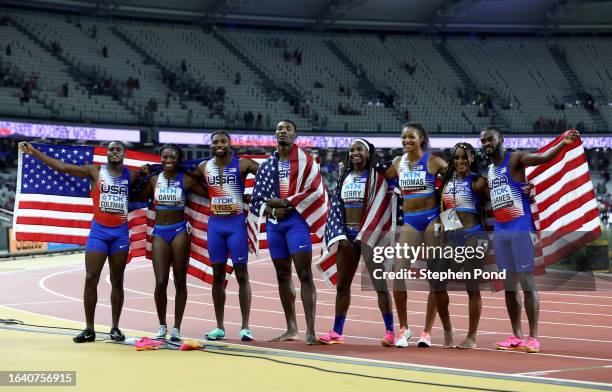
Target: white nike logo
point(122, 246)
point(431, 217)
point(525, 266)
point(241, 258)
point(303, 246)
point(179, 229)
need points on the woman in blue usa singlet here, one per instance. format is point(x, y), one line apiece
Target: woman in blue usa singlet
point(416, 173)
point(463, 194)
point(352, 195)
point(171, 238)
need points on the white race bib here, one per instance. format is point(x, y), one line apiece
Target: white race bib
point(223, 205)
point(450, 220)
point(113, 203)
point(413, 180)
point(353, 192)
point(501, 197)
point(168, 196)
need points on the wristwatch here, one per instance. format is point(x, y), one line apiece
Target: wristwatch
point(284, 203)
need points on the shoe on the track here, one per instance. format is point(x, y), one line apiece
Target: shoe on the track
point(87, 335)
point(246, 335)
point(424, 340)
point(532, 345)
point(332, 337)
point(144, 344)
point(176, 335)
point(512, 343)
point(215, 334)
point(162, 332)
point(116, 335)
point(388, 340)
point(403, 337)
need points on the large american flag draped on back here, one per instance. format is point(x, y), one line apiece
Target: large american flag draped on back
point(377, 223)
point(308, 194)
point(564, 207)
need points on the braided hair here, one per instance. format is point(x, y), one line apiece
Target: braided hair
point(452, 170)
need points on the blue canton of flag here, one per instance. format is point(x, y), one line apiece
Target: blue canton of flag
point(266, 184)
point(335, 221)
point(38, 178)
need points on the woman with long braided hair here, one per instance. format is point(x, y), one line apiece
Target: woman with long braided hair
point(464, 191)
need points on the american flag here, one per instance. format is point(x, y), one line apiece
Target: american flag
point(564, 207)
point(308, 194)
point(197, 212)
point(52, 206)
point(56, 207)
point(377, 223)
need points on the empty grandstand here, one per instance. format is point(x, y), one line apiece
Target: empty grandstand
point(101, 68)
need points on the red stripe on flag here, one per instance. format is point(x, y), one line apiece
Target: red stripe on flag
point(566, 209)
point(44, 205)
point(198, 273)
point(137, 221)
point(569, 248)
point(59, 238)
point(138, 236)
point(569, 228)
point(31, 220)
point(542, 168)
point(570, 165)
point(566, 188)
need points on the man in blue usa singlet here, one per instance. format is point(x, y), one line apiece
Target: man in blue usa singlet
point(224, 176)
point(514, 230)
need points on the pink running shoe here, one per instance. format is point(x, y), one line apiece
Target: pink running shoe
point(147, 344)
point(511, 343)
point(330, 338)
point(388, 340)
point(532, 345)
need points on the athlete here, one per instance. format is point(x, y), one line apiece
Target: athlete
point(288, 188)
point(171, 240)
point(352, 199)
point(108, 237)
point(224, 176)
point(416, 173)
point(463, 193)
point(514, 230)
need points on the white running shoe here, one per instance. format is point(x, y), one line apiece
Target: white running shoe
point(176, 335)
point(425, 340)
point(163, 331)
point(403, 337)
